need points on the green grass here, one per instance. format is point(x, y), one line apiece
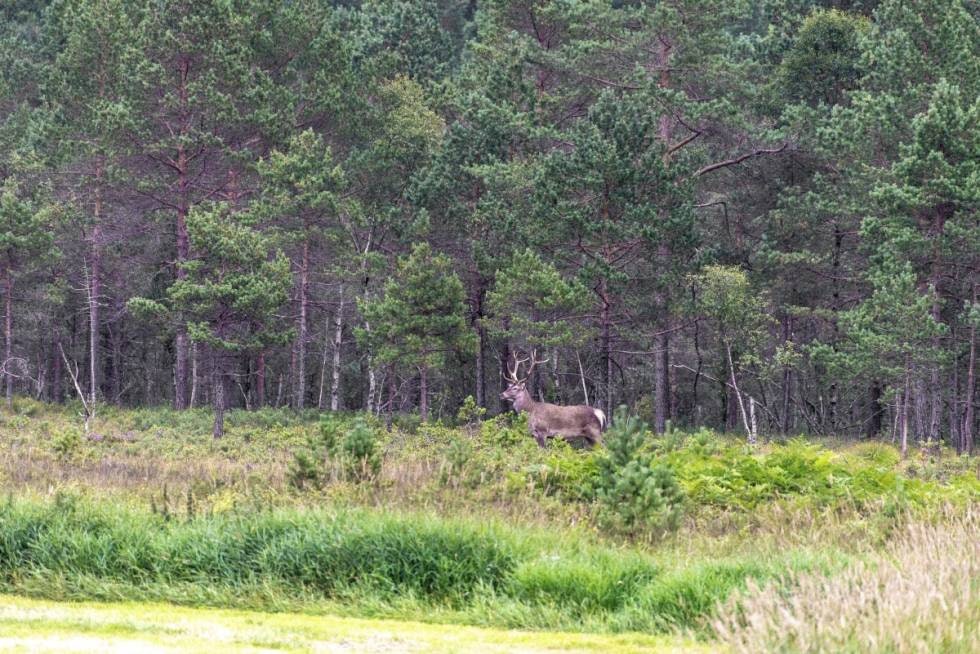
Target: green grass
point(364, 562)
point(471, 525)
point(28, 625)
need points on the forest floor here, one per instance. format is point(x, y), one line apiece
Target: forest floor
point(472, 539)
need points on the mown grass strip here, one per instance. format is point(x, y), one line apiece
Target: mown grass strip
point(45, 626)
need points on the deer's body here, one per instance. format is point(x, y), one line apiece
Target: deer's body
point(551, 420)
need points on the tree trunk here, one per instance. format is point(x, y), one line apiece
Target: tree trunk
point(876, 411)
point(605, 343)
point(661, 384)
point(391, 397)
point(117, 368)
point(304, 280)
point(182, 344)
point(338, 334)
point(786, 425)
point(193, 399)
point(749, 425)
point(905, 408)
point(481, 366)
point(502, 374)
point(424, 392)
point(219, 401)
point(966, 438)
point(57, 382)
point(260, 380)
point(93, 307)
point(323, 363)
point(8, 334)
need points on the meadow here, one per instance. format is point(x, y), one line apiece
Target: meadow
point(797, 545)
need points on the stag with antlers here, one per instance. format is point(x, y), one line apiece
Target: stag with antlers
point(551, 420)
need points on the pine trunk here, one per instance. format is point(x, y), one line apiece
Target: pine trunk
point(304, 280)
point(481, 366)
point(219, 401)
point(94, 296)
point(424, 393)
point(260, 380)
point(323, 363)
point(8, 334)
point(966, 438)
point(605, 342)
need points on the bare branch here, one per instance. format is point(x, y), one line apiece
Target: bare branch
point(737, 160)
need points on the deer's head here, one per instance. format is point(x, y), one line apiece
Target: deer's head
point(517, 383)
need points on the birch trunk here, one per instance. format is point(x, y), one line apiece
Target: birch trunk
point(338, 334)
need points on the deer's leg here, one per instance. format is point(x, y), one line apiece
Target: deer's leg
point(594, 436)
point(540, 436)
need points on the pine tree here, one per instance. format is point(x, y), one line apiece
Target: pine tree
point(419, 319)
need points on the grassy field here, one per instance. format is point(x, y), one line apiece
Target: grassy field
point(28, 625)
point(803, 545)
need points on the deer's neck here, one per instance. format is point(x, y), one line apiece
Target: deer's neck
point(524, 402)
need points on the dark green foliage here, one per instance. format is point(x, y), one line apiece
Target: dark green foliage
point(359, 450)
point(636, 493)
point(349, 450)
point(824, 61)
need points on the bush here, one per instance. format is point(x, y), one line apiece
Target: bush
point(566, 473)
point(359, 450)
point(634, 493)
point(470, 413)
point(355, 453)
point(66, 442)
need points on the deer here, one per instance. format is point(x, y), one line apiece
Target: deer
point(551, 420)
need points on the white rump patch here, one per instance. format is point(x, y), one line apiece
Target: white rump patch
point(601, 416)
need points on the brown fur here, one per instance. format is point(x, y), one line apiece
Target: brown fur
point(551, 420)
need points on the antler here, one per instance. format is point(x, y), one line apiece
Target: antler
point(513, 376)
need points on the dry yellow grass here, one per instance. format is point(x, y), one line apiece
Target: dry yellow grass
point(920, 595)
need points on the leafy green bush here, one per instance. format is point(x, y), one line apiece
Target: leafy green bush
point(66, 442)
point(354, 451)
point(566, 473)
point(470, 413)
point(359, 450)
point(635, 494)
point(459, 453)
point(505, 430)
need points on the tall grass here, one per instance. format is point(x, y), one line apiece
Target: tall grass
point(922, 594)
point(372, 563)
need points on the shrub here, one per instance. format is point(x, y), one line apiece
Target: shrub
point(566, 473)
point(458, 456)
point(359, 450)
point(305, 468)
point(634, 493)
point(355, 451)
point(505, 429)
point(66, 442)
point(470, 413)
